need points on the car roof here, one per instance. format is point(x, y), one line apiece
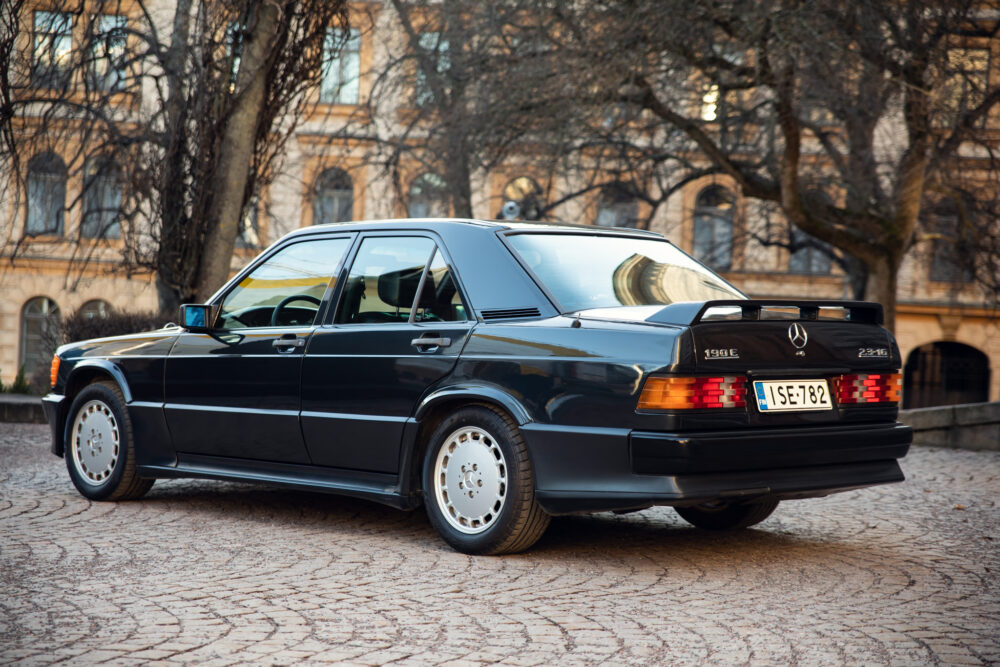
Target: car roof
point(443, 223)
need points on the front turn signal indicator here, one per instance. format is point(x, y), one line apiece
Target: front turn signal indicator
point(54, 370)
point(868, 388)
point(693, 393)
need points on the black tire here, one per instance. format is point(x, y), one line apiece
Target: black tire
point(100, 451)
point(728, 516)
point(485, 457)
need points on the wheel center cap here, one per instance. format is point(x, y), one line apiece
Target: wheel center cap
point(467, 478)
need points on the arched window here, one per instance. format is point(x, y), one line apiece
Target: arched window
point(521, 197)
point(102, 199)
point(333, 197)
point(714, 210)
point(945, 373)
point(39, 333)
point(617, 206)
point(46, 194)
point(427, 197)
point(95, 308)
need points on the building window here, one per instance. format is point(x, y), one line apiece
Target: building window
point(102, 200)
point(46, 195)
point(94, 308)
point(434, 48)
point(521, 199)
point(108, 64)
point(52, 50)
point(617, 206)
point(39, 333)
point(341, 68)
point(713, 227)
point(428, 197)
point(811, 256)
point(333, 197)
point(951, 252)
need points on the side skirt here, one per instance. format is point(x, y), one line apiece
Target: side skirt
point(378, 487)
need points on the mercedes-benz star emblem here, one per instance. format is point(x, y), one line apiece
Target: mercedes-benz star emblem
point(797, 334)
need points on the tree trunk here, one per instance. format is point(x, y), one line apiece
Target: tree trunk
point(174, 231)
point(881, 287)
point(167, 297)
point(236, 153)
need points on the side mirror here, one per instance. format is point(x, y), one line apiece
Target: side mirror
point(197, 317)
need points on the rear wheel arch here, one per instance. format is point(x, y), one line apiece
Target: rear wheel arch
point(501, 514)
point(434, 413)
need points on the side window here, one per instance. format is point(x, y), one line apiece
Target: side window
point(384, 278)
point(286, 290)
point(439, 298)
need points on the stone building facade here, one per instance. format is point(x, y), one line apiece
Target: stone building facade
point(948, 334)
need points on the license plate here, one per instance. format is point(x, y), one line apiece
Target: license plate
point(792, 395)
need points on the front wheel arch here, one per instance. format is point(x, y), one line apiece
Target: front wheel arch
point(83, 375)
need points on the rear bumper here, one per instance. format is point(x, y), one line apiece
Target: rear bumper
point(609, 469)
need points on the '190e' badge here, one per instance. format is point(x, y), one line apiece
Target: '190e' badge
point(722, 353)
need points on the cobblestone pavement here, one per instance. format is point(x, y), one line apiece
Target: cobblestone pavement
point(220, 573)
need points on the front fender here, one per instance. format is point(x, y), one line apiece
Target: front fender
point(84, 371)
point(57, 407)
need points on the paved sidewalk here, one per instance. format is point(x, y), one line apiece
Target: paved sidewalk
point(220, 573)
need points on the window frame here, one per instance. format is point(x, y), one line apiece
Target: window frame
point(700, 212)
point(51, 77)
point(106, 170)
point(614, 197)
point(316, 193)
point(438, 246)
point(62, 182)
point(334, 69)
point(117, 66)
point(217, 299)
point(443, 201)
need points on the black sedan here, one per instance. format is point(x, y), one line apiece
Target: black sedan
point(496, 373)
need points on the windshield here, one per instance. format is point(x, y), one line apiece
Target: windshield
point(595, 271)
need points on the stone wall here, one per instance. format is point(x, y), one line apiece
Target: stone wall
point(971, 426)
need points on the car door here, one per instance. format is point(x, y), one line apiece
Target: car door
point(234, 392)
point(399, 327)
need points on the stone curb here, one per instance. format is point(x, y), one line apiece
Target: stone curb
point(21, 408)
point(974, 426)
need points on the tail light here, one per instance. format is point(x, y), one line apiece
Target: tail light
point(54, 369)
point(868, 388)
point(693, 393)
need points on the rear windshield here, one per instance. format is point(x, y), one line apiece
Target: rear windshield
point(591, 271)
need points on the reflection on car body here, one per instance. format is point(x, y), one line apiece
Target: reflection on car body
point(495, 373)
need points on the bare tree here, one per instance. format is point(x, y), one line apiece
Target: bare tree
point(445, 101)
point(179, 112)
point(848, 117)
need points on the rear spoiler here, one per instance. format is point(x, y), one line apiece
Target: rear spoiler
point(687, 313)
